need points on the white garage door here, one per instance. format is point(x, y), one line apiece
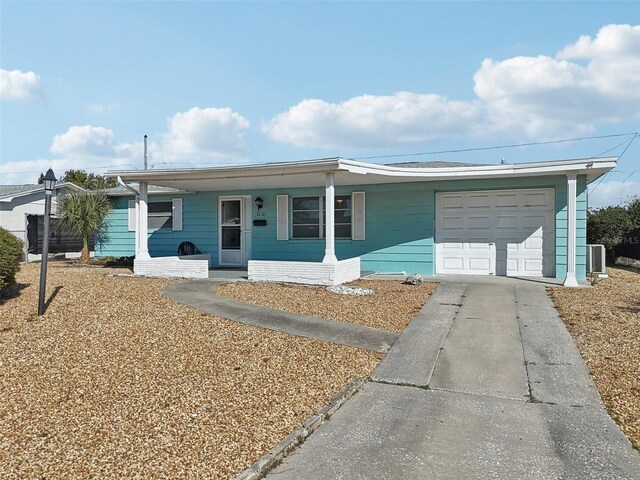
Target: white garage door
point(498, 232)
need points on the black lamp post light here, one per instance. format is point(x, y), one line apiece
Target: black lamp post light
point(49, 185)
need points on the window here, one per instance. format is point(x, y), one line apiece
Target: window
point(307, 212)
point(163, 216)
point(160, 216)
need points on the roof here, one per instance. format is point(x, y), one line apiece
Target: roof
point(434, 164)
point(121, 191)
point(9, 192)
point(312, 173)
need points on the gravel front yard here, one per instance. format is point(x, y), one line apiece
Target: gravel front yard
point(605, 323)
point(391, 308)
point(117, 381)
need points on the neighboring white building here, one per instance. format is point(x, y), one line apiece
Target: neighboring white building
point(19, 201)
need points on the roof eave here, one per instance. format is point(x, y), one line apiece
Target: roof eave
point(591, 167)
point(10, 197)
point(238, 171)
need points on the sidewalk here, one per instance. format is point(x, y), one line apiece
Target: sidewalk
point(485, 383)
point(199, 294)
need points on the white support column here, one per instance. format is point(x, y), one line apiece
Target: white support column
point(330, 235)
point(570, 280)
point(143, 209)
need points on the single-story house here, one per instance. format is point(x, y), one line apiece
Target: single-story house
point(323, 221)
point(21, 207)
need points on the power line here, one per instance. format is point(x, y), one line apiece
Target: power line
point(497, 147)
point(635, 135)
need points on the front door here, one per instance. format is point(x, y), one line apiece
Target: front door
point(230, 234)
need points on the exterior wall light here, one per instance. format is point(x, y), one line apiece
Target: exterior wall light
point(259, 203)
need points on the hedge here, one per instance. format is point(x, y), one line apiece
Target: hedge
point(10, 255)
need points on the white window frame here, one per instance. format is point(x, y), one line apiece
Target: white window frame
point(165, 213)
point(175, 213)
point(321, 217)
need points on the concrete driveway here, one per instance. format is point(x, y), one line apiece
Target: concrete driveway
point(485, 383)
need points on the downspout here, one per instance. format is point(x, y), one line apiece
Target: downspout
point(136, 196)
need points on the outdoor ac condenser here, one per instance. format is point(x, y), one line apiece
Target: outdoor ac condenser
point(596, 260)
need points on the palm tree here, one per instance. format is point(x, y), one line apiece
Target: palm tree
point(85, 214)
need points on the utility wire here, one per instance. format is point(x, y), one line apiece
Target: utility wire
point(635, 135)
point(496, 147)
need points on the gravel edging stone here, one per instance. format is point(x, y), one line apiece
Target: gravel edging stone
point(261, 467)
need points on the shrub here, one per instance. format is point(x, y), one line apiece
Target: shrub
point(606, 226)
point(10, 254)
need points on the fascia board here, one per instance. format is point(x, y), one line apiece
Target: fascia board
point(581, 166)
point(240, 171)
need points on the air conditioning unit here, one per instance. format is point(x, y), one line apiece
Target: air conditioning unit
point(596, 260)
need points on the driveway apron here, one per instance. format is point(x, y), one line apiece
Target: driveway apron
point(484, 383)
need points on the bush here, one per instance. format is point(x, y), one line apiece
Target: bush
point(606, 226)
point(10, 255)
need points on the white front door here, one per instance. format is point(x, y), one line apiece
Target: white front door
point(233, 225)
point(501, 232)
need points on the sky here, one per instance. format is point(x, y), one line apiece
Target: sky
point(222, 83)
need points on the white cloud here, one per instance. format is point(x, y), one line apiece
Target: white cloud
point(18, 85)
point(104, 107)
point(613, 192)
point(373, 121)
point(84, 142)
point(197, 136)
point(203, 134)
point(537, 97)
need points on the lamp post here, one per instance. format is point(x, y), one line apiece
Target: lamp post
point(49, 186)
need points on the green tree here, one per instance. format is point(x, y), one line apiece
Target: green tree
point(85, 214)
point(633, 209)
point(90, 181)
point(605, 226)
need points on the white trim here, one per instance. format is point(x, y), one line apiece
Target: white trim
point(176, 213)
point(131, 215)
point(358, 217)
point(282, 217)
point(245, 230)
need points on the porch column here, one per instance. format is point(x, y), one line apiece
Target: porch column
point(143, 241)
point(570, 280)
point(330, 235)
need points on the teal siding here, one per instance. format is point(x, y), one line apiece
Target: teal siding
point(399, 225)
point(118, 242)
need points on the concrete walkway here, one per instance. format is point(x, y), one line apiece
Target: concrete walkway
point(199, 294)
point(485, 383)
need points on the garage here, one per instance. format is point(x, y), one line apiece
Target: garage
point(496, 232)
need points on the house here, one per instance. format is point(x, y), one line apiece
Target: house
point(324, 221)
point(21, 207)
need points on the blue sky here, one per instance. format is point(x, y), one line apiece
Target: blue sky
point(237, 82)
